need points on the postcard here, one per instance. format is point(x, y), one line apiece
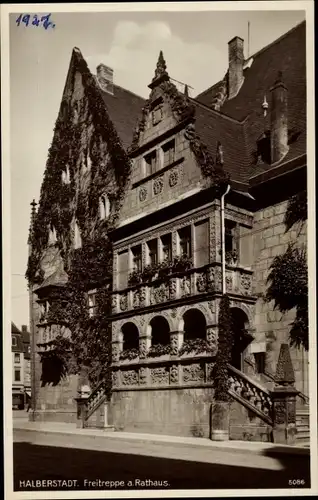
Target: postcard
point(159, 250)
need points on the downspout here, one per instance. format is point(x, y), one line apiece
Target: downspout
point(223, 239)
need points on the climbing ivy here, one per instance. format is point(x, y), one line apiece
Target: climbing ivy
point(75, 142)
point(288, 277)
point(223, 357)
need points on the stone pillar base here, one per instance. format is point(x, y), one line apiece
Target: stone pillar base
point(220, 421)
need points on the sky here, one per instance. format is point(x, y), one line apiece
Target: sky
point(196, 52)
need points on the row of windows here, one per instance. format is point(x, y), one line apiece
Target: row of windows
point(104, 213)
point(159, 158)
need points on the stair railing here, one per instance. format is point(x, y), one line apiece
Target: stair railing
point(251, 394)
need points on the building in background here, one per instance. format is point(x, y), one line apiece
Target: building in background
point(129, 223)
point(21, 367)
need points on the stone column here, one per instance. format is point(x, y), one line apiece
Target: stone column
point(176, 339)
point(144, 345)
point(284, 400)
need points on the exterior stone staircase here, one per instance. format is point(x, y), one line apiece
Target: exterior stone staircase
point(302, 423)
point(246, 391)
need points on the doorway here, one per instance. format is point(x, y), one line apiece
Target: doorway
point(241, 337)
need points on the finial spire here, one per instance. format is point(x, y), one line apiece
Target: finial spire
point(219, 154)
point(33, 214)
point(160, 71)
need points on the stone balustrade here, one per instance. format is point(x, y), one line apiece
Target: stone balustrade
point(180, 285)
point(251, 393)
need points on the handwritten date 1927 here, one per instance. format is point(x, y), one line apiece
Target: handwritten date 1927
point(43, 21)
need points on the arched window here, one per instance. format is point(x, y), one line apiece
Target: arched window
point(52, 235)
point(160, 331)
point(104, 206)
point(194, 325)
point(66, 178)
point(77, 236)
point(130, 336)
point(241, 337)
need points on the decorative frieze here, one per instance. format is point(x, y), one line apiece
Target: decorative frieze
point(246, 284)
point(136, 298)
point(173, 288)
point(129, 377)
point(123, 302)
point(142, 194)
point(143, 375)
point(158, 185)
point(159, 375)
point(185, 286)
point(174, 374)
point(114, 303)
point(193, 373)
point(173, 177)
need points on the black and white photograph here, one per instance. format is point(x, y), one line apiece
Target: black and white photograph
point(159, 332)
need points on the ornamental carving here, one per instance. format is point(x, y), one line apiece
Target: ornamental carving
point(173, 178)
point(193, 373)
point(160, 375)
point(161, 293)
point(185, 286)
point(123, 303)
point(212, 337)
point(142, 297)
point(114, 303)
point(212, 239)
point(246, 283)
point(115, 352)
point(229, 281)
point(209, 371)
point(152, 296)
point(129, 377)
point(218, 279)
point(210, 279)
point(142, 375)
point(173, 288)
point(189, 132)
point(174, 312)
point(143, 348)
point(291, 411)
point(174, 374)
point(157, 185)
point(201, 282)
point(136, 298)
point(142, 194)
point(212, 306)
point(174, 243)
point(174, 342)
point(115, 378)
point(280, 411)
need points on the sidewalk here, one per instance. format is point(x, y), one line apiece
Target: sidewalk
point(257, 448)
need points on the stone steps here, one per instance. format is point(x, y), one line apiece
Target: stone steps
point(303, 430)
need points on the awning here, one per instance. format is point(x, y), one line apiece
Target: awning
point(28, 393)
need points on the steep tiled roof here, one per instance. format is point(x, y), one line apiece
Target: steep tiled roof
point(58, 278)
point(124, 110)
point(288, 55)
point(14, 328)
point(213, 127)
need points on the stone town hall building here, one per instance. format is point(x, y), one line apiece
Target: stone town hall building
point(166, 278)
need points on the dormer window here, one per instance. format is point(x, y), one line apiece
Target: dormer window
point(52, 236)
point(151, 163)
point(66, 178)
point(77, 236)
point(104, 207)
point(156, 111)
point(168, 153)
point(92, 307)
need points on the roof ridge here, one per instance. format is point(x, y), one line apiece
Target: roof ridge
point(129, 91)
point(218, 113)
point(275, 41)
point(255, 55)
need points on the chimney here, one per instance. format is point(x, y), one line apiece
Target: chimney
point(105, 78)
point(279, 125)
point(236, 62)
point(24, 328)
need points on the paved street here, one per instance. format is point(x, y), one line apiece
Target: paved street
point(41, 455)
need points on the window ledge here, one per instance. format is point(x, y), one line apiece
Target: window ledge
point(158, 172)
